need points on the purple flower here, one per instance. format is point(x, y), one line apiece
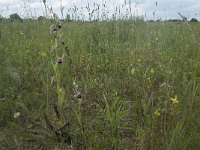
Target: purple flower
point(59, 25)
point(62, 42)
point(52, 29)
point(77, 94)
point(59, 60)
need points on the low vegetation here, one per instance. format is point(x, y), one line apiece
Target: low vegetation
point(117, 84)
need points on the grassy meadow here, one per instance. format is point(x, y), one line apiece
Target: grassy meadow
point(121, 85)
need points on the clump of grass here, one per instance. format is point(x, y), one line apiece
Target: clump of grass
point(114, 113)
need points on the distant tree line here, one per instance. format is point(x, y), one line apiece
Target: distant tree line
point(16, 17)
point(179, 20)
point(194, 20)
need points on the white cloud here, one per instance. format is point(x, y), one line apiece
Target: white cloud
point(165, 8)
point(9, 2)
point(10, 6)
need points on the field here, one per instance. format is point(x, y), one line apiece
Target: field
point(123, 84)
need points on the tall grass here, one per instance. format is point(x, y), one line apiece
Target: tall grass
point(152, 66)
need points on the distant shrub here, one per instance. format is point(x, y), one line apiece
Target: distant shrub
point(68, 18)
point(1, 18)
point(41, 18)
point(151, 20)
point(15, 16)
point(175, 20)
point(194, 20)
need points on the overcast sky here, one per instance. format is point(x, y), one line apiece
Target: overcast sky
point(165, 9)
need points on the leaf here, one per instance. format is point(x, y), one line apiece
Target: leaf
point(48, 122)
point(12, 71)
point(23, 106)
point(107, 109)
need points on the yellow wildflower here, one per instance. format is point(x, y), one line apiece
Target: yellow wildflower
point(43, 54)
point(175, 100)
point(157, 113)
point(152, 71)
